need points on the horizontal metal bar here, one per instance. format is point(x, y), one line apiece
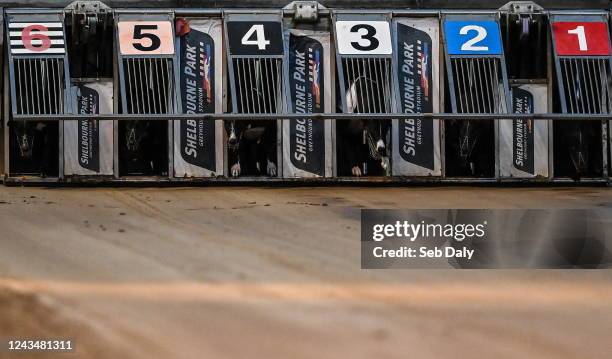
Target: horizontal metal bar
point(322, 13)
point(12, 180)
point(527, 81)
point(321, 116)
point(326, 13)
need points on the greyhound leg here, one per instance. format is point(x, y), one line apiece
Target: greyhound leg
point(271, 169)
point(381, 148)
point(269, 142)
point(353, 147)
point(45, 153)
point(236, 169)
point(234, 153)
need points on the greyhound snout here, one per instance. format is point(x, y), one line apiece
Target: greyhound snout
point(132, 142)
point(25, 145)
point(232, 139)
point(381, 148)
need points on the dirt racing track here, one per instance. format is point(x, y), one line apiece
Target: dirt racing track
point(275, 273)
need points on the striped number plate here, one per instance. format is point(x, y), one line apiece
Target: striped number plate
point(36, 38)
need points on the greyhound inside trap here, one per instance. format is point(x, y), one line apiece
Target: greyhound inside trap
point(362, 143)
point(470, 144)
point(252, 145)
point(149, 88)
point(578, 150)
point(39, 89)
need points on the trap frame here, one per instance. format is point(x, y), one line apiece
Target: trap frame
point(394, 114)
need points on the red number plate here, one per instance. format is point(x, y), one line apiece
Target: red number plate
point(581, 38)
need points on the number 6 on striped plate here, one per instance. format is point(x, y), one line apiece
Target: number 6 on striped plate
point(33, 38)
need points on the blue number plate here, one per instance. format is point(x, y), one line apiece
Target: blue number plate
point(472, 37)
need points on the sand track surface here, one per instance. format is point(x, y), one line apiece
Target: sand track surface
point(275, 273)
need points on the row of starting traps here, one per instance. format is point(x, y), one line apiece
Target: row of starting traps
point(95, 61)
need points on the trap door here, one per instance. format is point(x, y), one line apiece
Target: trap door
point(198, 144)
point(582, 54)
point(308, 144)
point(255, 56)
point(39, 74)
point(416, 71)
point(524, 142)
point(477, 78)
point(147, 72)
point(88, 144)
point(364, 62)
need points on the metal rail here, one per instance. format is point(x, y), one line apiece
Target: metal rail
point(17, 180)
point(322, 13)
point(319, 117)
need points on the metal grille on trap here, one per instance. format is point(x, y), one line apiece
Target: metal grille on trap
point(255, 55)
point(38, 70)
point(583, 74)
point(364, 56)
point(478, 83)
point(147, 86)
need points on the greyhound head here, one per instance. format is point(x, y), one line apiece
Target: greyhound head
point(578, 151)
point(377, 139)
point(466, 142)
point(361, 87)
point(135, 132)
point(25, 135)
point(580, 161)
point(232, 140)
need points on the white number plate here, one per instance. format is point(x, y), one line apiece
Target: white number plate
point(363, 37)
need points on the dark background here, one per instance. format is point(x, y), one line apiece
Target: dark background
point(425, 4)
